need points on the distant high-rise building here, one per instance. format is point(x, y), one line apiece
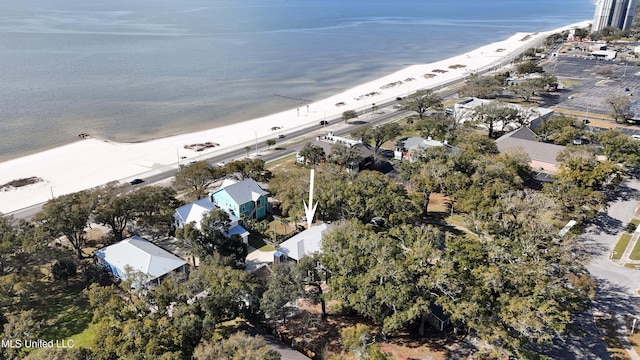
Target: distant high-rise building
point(617, 13)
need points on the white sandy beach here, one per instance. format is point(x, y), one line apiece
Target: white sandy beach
point(92, 162)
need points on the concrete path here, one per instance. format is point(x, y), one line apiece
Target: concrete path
point(632, 243)
point(256, 258)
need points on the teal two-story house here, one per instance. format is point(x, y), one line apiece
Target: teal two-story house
point(242, 198)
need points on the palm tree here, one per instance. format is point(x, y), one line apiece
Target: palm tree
point(285, 222)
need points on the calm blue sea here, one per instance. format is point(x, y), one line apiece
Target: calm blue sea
point(131, 70)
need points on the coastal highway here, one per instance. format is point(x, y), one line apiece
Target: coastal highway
point(308, 132)
point(296, 138)
point(386, 113)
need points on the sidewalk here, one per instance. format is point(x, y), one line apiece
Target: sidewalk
point(627, 252)
point(624, 340)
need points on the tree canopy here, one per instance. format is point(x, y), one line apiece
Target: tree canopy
point(68, 215)
point(376, 136)
point(421, 101)
point(196, 178)
point(484, 87)
point(620, 107)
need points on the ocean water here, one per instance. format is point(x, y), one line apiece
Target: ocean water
point(133, 70)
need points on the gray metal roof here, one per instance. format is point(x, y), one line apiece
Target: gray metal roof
point(140, 255)
point(304, 243)
point(244, 191)
point(524, 139)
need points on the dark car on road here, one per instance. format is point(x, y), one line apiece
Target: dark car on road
point(324, 122)
point(136, 181)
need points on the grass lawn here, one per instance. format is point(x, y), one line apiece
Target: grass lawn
point(64, 313)
point(85, 338)
point(635, 253)
point(570, 83)
point(284, 164)
point(257, 243)
point(635, 221)
point(632, 266)
point(280, 228)
point(621, 246)
point(439, 203)
point(223, 330)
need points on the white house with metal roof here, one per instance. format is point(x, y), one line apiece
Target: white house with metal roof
point(195, 211)
point(464, 110)
point(136, 254)
point(301, 245)
point(408, 148)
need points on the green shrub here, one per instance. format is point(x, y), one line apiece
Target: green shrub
point(631, 227)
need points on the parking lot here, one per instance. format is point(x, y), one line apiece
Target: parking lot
point(586, 90)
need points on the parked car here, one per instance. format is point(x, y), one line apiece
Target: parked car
point(221, 164)
point(136, 181)
point(635, 137)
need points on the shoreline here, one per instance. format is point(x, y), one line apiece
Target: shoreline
point(92, 162)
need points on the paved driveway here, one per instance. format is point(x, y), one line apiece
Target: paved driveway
point(617, 283)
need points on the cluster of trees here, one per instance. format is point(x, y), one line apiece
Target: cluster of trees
point(497, 112)
point(211, 239)
point(513, 291)
point(526, 88)
point(341, 195)
point(512, 264)
point(616, 146)
point(112, 205)
point(196, 178)
point(165, 322)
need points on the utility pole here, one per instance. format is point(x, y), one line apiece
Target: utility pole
point(256, 142)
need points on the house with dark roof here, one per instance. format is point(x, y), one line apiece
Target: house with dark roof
point(365, 153)
point(303, 244)
point(241, 198)
point(136, 254)
point(543, 155)
point(195, 211)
